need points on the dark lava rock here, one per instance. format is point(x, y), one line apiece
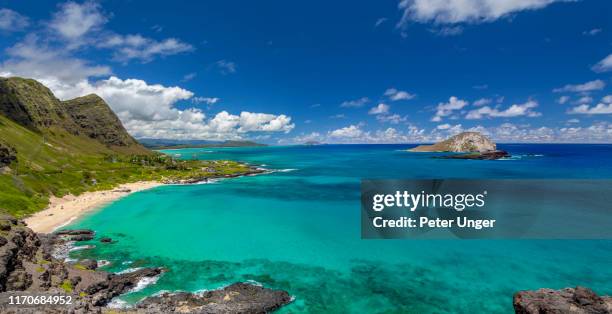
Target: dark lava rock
point(76, 235)
point(89, 264)
point(577, 300)
point(106, 240)
point(490, 155)
point(236, 298)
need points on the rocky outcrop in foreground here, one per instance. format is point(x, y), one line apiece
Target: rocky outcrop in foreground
point(236, 298)
point(32, 264)
point(577, 300)
point(466, 142)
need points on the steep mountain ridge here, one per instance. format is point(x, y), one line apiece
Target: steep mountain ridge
point(96, 120)
point(32, 105)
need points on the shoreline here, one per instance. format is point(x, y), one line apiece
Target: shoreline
point(64, 210)
point(61, 211)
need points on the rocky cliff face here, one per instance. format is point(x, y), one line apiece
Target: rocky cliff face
point(28, 267)
point(466, 142)
point(577, 300)
point(96, 120)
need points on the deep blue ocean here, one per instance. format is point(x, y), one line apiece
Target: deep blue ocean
point(298, 229)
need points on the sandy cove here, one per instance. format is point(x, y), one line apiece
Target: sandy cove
point(64, 210)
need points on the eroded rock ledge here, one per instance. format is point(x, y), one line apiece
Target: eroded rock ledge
point(577, 300)
point(27, 266)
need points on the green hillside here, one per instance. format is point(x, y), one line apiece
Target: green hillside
point(49, 147)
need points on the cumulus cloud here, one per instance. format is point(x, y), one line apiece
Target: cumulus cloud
point(600, 132)
point(74, 20)
point(582, 88)
point(355, 103)
point(380, 109)
point(460, 11)
point(395, 94)
point(55, 68)
point(600, 108)
point(515, 110)
point(11, 21)
point(446, 109)
point(351, 131)
point(604, 65)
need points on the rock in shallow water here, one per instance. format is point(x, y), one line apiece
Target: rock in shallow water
point(577, 300)
point(236, 298)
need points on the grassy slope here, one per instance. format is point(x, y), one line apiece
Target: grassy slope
point(56, 162)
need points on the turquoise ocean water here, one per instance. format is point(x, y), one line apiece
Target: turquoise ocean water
point(298, 229)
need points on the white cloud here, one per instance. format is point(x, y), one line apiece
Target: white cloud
point(607, 99)
point(188, 77)
point(582, 88)
point(391, 118)
point(573, 121)
point(563, 99)
point(448, 31)
point(395, 95)
point(592, 32)
point(355, 103)
point(74, 20)
point(515, 110)
point(380, 21)
point(136, 47)
point(205, 100)
point(604, 65)
point(54, 68)
point(600, 108)
point(462, 11)
point(445, 126)
point(11, 21)
point(446, 109)
point(483, 86)
point(226, 67)
point(351, 131)
point(380, 109)
point(482, 102)
point(585, 100)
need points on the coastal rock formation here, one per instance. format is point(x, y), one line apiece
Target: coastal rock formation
point(466, 142)
point(577, 300)
point(492, 155)
point(235, 298)
point(27, 267)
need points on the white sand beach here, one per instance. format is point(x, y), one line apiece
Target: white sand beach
point(62, 211)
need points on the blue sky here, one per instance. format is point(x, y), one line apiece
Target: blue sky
point(340, 72)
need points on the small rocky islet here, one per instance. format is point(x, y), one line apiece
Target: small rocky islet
point(471, 145)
